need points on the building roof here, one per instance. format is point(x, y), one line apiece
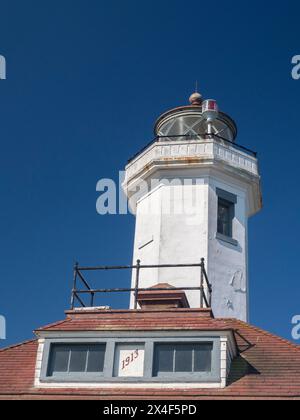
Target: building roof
point(267, 367)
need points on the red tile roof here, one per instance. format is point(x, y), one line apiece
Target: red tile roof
point(125, 320)
point(267, 367)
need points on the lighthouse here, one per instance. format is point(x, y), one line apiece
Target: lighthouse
point(193, 190)
point(184, 336)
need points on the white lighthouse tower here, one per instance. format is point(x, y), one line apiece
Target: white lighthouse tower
point(192, 191)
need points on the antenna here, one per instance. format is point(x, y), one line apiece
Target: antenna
point(196, 90)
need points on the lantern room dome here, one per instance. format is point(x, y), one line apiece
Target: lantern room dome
point(189, 121)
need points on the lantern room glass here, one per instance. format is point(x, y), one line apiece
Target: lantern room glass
point(183, 127)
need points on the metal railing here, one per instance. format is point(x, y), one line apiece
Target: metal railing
point(196, 137)
point(205, 288)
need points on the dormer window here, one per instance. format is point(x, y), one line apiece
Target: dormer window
point(71, 359)
point(182, 358)
point(147, 358)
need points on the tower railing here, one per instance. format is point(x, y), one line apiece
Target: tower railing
point(79, 279)
point(200, 136)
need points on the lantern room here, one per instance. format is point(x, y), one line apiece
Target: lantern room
point(197, 121)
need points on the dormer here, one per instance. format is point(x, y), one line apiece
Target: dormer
point(144, 348)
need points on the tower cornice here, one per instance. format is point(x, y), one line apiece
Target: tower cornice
point(192, 159)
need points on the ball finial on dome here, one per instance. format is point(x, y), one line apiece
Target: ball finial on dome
point(196, 99)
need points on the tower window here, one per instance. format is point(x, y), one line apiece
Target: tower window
point(226, 213)
point(182, 358)
point(225, 217)
point(76, 358)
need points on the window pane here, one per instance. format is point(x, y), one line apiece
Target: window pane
point(184, 358)
point(59, 359)
point(164, 357)
point(78, 358)
point(189, 358)
point(203, 354)
point(224, 218)
point(96, 358)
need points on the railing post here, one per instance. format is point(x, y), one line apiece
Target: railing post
point(74, 285)
point(202, 284)
point(210, 295)
point(92, 299)
point(137, 283)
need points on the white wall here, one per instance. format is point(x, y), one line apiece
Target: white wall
point(178, 231)
point(226, 263)
point(178, 225)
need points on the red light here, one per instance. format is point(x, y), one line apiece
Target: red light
point(212, 105)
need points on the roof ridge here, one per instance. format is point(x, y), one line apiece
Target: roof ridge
point(269, 334)
point(13, 346)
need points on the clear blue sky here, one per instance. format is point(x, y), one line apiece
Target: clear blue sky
point(86, 81)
